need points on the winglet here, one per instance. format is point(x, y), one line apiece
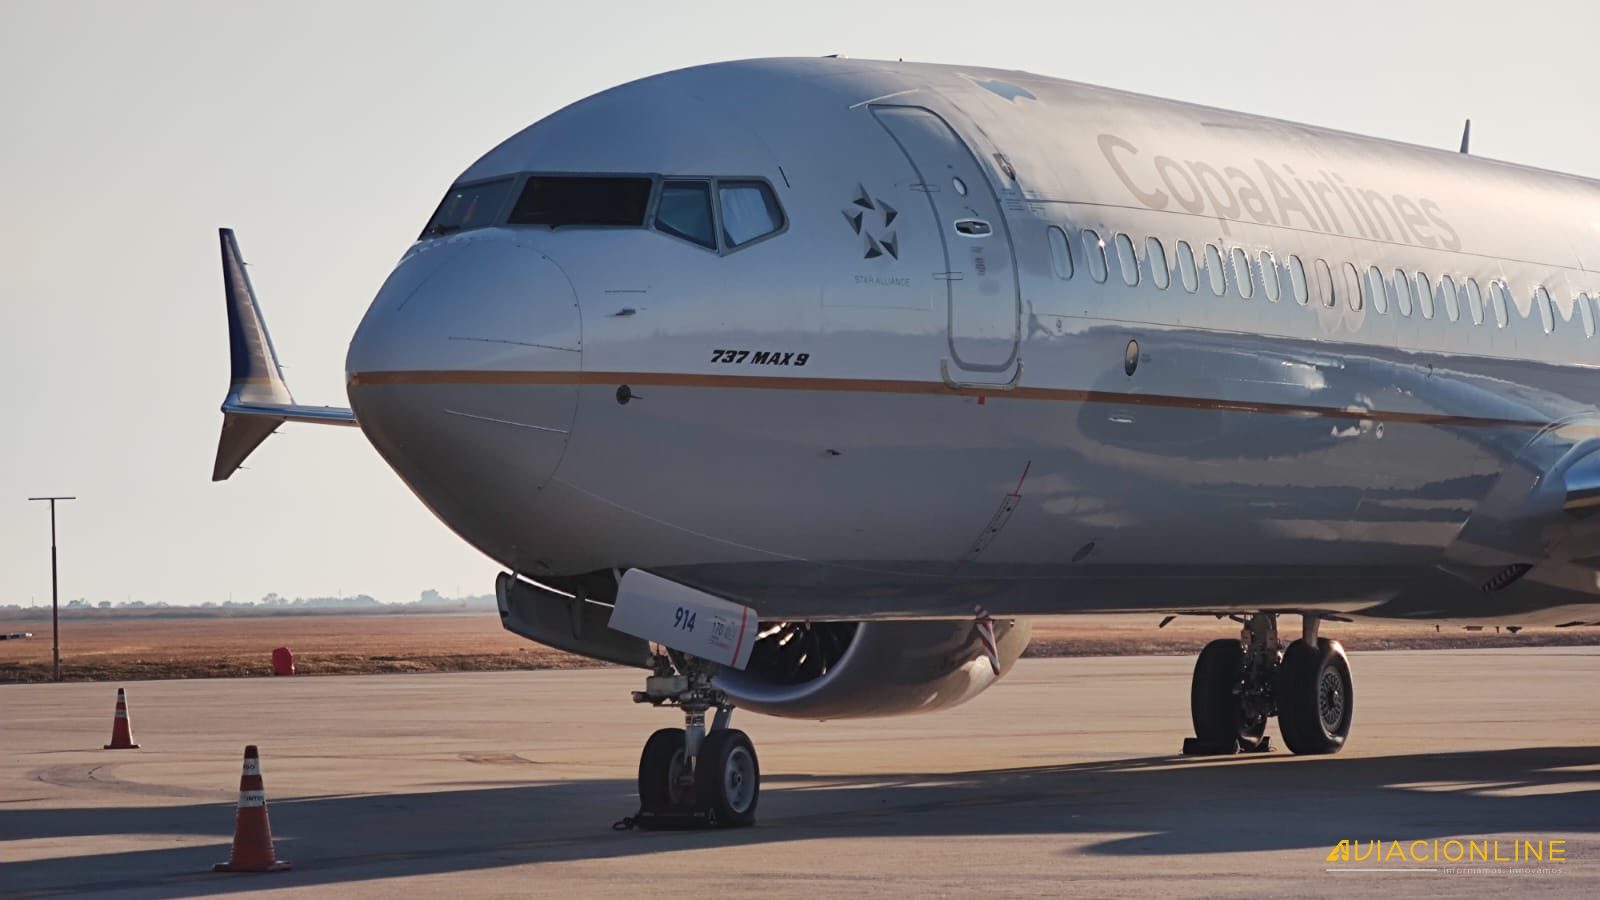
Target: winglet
point(241, 435)
point(1466, 136)
point(258, 398)
point(256, 375)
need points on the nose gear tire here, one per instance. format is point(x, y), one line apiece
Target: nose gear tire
point(727, 778)
point(661, 766)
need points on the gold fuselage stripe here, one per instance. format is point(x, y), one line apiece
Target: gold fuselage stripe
point(923, 388)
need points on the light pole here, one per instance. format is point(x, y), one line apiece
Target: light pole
point(55, 599)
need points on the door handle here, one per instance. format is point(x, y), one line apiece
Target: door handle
point(973, 228)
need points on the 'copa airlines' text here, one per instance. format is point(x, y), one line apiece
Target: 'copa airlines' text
point(1319, 201)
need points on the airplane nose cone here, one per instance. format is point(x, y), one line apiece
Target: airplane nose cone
point(464, 377)
point(491, 303)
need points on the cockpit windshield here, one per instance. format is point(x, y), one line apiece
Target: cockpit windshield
point(582, 200)
point(719, 214)
point(469, 206)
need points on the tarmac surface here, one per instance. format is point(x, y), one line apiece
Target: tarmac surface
point(1063, 779)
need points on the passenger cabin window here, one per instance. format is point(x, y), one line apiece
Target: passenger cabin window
point(1352, 285)
point(749, 211)
point(1325, 283)
point(1424, 296)
point(1269, 277)
point(1376, 291)
point(1157, 254)
point(1094, 250)
point(1447, 297)
point(1402, 292)
point(1219, 281)
point(1586, 312)
point(1187, 271)
point(685, 212)
point(471, 206)
point(1501, 302)
point(1547, 316)
point(1241, 273)
point(579, 200)
point(1475, 301)
point(1127, 260)
point(1060, 253)
point(1297, 281)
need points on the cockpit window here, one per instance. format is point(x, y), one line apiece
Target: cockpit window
point(469, 206)
point(749, 211)
point(745, 211)
point(685, 211)
point(582, 200)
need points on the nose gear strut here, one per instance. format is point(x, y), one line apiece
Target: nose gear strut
point(692, 777)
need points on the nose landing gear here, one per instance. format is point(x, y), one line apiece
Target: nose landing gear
point(1239, 684)
point(689, 777)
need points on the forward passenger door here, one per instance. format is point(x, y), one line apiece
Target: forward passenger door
point(980, 273)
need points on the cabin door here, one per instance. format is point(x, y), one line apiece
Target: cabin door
point(980, 273)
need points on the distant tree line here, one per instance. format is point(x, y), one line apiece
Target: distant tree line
point(427, 599)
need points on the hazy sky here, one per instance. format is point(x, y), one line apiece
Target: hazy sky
point(326, 132)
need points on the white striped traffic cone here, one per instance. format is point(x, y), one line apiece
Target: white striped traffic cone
point(121, 729)
point(252, 833)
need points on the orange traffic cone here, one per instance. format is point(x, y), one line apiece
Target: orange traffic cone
point(252, 834)
point(121, 731)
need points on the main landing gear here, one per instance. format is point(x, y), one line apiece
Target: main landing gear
point(690, 777)
point(1239, 684)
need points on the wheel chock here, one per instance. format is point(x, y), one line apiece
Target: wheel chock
point(1195, 747)
point(674, 820)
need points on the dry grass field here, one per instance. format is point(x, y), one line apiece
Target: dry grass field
point(129, 646)
point(134, 647)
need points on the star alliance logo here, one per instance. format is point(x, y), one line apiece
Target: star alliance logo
point(876, 230)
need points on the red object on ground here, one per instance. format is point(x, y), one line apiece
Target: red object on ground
point(121, 730)
point(252, 833)
point(283, 661)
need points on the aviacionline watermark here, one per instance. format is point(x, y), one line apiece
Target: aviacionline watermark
point(1451, 856)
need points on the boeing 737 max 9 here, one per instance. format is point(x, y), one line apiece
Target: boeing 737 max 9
point(820, 376)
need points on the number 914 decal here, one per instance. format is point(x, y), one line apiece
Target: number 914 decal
point(759, 358)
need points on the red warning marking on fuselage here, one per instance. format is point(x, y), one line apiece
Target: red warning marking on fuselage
point(997, 522)
point(1025, 467)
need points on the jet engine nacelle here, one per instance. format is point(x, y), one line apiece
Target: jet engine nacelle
point(841, 670)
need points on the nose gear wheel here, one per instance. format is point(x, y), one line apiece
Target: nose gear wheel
point(692, 777)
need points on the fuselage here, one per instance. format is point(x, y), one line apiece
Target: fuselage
point(1006, 341)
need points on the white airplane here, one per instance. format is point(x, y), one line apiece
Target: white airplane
point(804, 382)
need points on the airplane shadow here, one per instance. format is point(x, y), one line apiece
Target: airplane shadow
point(1171, 806)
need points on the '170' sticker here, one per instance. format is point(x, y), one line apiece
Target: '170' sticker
point(759, 357)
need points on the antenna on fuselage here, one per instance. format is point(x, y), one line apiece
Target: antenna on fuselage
point(1466, 136)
